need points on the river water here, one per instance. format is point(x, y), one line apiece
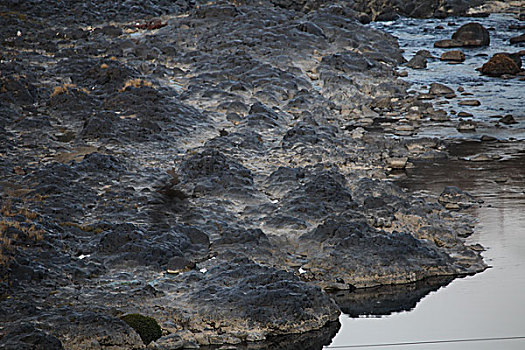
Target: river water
point(490, 304)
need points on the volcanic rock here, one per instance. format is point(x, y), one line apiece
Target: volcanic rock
point(508, 119)
point(440, 89)
point(466, 126)
point(453, 198)
point(417, 62)
point(500, 64)
point(517, 39)
point(469, 103)
point(216, 167)
point(472, 34)
point(454, 56)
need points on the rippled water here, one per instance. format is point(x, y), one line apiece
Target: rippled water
point(492, 303)
point(497, 96)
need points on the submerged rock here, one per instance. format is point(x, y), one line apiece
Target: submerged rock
point(454, 56)
point(508, 119)
point(517, 39)
point(440, 89)
point(448, 43)
point(453, 198)
point(466, 125)
point(417, 62)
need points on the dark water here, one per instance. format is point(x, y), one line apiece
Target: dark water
point(490, 304)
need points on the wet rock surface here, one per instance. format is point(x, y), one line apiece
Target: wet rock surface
point(468, 35)
point(216, 166)
point(387, 9)
point(455, 199)
point(472, 34)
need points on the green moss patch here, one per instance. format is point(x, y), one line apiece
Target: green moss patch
point(148, 329)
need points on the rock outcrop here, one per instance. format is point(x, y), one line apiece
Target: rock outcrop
point(216, 166)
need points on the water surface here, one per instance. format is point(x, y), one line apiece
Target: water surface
point(490, 304)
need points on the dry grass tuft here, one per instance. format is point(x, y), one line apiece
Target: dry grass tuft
point(136, 83)
point(8, 223)
point(64, 89)
point(85, 228)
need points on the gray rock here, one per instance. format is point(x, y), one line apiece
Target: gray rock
point(508, 119)
point(453, 198)
point(472, 34)
point(265, 299)
point(466, 125)
point(25, 336)
point(88, 329)
point(345, 241)
point(169, 342)
point(439, 89)
point(517, 39)
point(454, 56)
point(224, 143)
point(448, 43)
point(417, 62)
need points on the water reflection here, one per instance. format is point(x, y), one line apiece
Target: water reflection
point(314, 340)
point(385, 300)
point(492, 303)
point(489, 304)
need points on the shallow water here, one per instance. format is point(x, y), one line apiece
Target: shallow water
point(490, 304)
point(497, 96)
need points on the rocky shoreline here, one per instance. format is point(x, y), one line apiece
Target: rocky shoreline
point(217, 166)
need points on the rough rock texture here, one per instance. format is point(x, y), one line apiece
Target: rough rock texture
point(455, 199)
point(216, 166)
point(417, 62)
point(26, 336)
point(454, 56)
point(500, 64)
point(472, 34)
point(468, 35)
point(520, 39)
point(383, 9)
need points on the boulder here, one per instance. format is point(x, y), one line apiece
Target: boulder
point(466, 126)
point(243, 296)
point(424, 53)
point(517, 39)
point(25, 336)
point(516, 57)
point(473, 103)
point(439, 89)
point(500, 64)
point(417, 62)
point(508, 119)
point(472, 34)
point(453, 56)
